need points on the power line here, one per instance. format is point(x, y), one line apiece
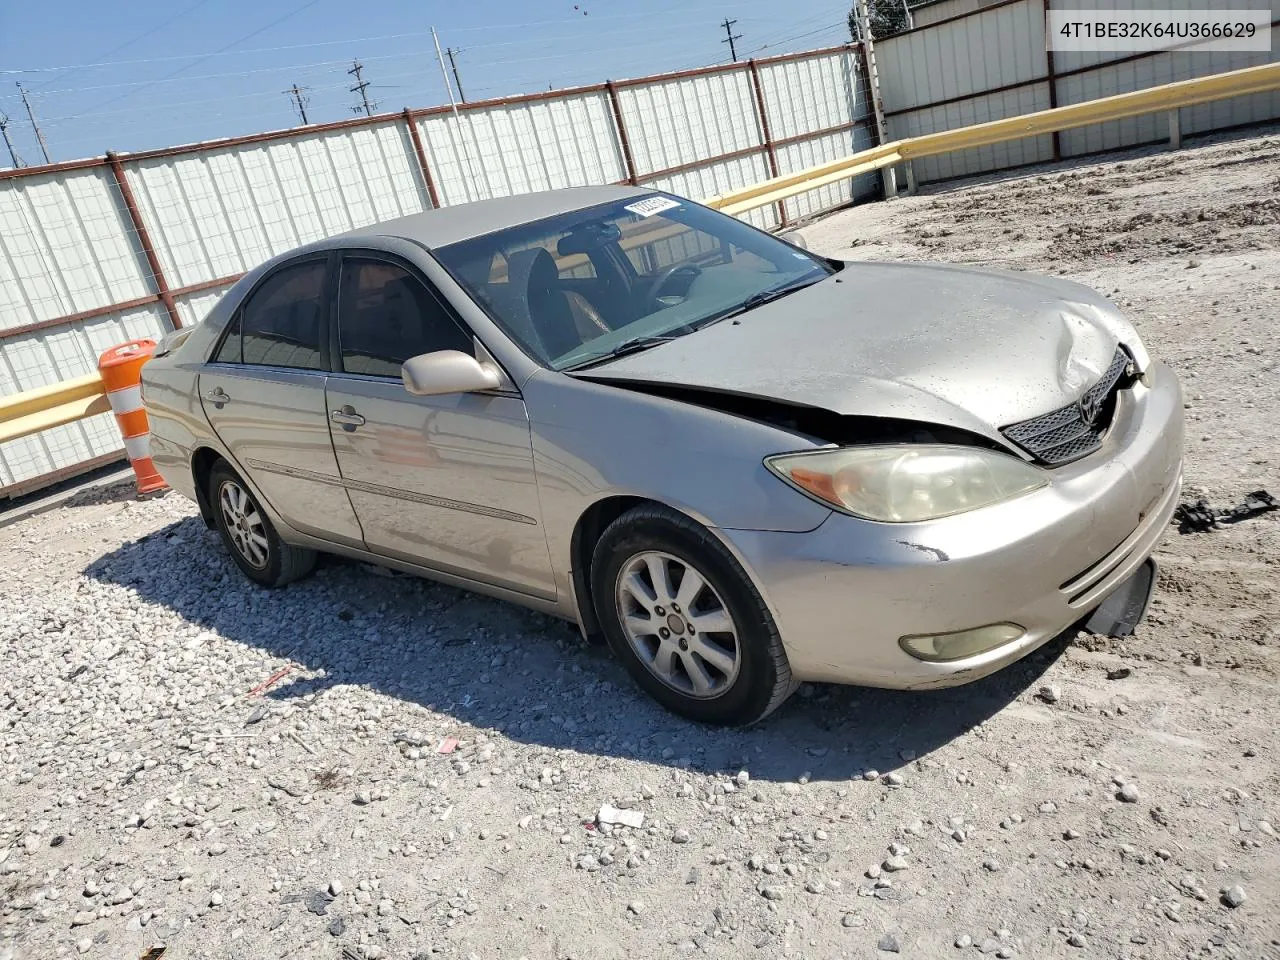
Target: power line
point(842, 25)
point(361, 87)
point(728, 29)
point(389, 36)
point(44, 147)
point(116, 49)
point(4, 132)
point(299, 101)
point(239, 40)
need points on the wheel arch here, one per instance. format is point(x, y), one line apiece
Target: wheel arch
point(592, 524)
point(202, 462)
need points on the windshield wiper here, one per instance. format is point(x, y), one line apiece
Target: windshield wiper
point(761, 298)
point(634, 345)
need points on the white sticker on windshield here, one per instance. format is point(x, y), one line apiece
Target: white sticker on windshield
point(651, 205)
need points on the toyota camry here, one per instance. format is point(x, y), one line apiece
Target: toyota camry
point(741, 464)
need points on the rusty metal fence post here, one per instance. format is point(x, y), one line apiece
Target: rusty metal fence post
point(1052, 76)
point(770, 149)
point(144, 239)
point(627, 159)
point(416, 138)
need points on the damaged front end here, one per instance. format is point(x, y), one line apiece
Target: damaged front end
point(819, 426)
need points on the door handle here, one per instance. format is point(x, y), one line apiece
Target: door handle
point(348, 417)
point(217, 397)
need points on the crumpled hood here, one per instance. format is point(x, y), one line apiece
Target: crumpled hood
point(975, 349)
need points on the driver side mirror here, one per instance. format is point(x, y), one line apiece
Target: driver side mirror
point(447, 371)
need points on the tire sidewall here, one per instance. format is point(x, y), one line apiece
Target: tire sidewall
point(752, 690)
point(268, 576)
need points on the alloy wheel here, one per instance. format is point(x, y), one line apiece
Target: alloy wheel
point(678, 625)
point(244, 524)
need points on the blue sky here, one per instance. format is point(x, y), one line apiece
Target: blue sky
point(151, 73)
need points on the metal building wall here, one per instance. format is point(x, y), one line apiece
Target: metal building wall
point(1087, 76)
point(990, 63)
point(938, 78)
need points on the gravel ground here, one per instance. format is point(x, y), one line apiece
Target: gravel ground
point(234, 773)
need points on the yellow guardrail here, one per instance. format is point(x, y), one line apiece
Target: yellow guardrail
point(36, 410)
point(26, 413)
point(1170, 96)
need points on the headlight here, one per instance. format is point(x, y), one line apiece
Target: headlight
point(906, 484)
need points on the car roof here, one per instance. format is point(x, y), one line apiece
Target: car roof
point(437, 228)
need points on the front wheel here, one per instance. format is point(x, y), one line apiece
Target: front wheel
point(682, 615)
point(248, 534)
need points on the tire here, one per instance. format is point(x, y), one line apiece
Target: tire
point(253, 542)
point(687, 669)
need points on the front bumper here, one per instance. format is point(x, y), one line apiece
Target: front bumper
point(845, 593)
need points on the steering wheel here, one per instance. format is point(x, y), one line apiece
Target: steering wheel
point(664, 277)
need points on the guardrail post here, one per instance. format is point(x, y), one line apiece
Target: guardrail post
point(627, 160)
point(144, 239)
point(1175, 129)
point(425, 170)
point(910, 168)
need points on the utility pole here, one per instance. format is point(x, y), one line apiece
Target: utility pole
point(4, 131)
point(731, 36)
point(456, 79)
point(44, 147)
point(361, 87)
point(457, 121)
point(300, 102)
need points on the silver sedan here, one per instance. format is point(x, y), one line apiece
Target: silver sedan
point(741, 464)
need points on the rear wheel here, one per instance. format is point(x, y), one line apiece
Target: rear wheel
point(682, 615)
point(248, 534)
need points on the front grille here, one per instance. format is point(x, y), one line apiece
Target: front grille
point(1068, 433)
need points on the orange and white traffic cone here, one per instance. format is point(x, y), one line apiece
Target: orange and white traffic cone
point(121, 372)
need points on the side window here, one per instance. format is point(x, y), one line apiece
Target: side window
point(280, 322)
point(386, 315)
point(229, 352)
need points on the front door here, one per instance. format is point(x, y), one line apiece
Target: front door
point(445, 482)
point(264, 395)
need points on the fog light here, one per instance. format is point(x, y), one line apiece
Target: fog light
point(944, 647)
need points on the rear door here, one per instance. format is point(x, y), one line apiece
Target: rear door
point(263, 393)
point(446, 482)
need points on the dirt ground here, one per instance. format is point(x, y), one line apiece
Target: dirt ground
point(164, 783)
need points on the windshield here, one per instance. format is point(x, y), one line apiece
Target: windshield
point(578, 286)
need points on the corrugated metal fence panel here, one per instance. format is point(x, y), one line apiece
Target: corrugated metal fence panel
point(1153, 71)
point(976, 110)
point(193, 307)
point(675, 122)
point(1108, 78)
point(809, 153)
point(942, 9)
point(982, 52)
point(1066, 61)
point(714, 178)
point(813, 94)
point(523, 147)
point(221, 212)
point(66, 246)
point(816, 93)
point(49, 356)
